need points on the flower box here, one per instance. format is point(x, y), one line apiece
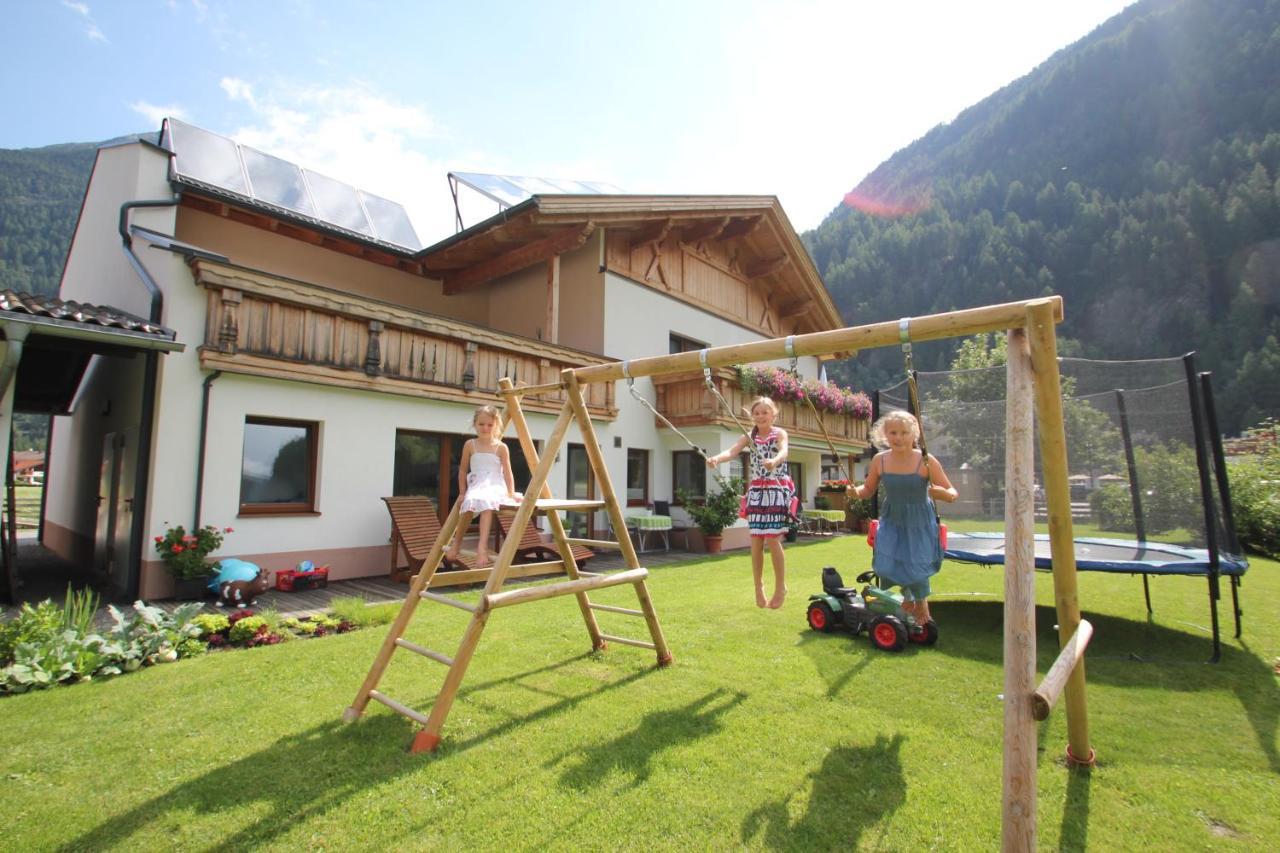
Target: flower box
point(291, 580)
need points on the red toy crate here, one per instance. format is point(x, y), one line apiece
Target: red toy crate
point(291, 580)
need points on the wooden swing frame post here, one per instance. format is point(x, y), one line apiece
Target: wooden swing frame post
point(1034, 395)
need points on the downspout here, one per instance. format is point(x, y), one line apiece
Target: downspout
point(204, 433)
point(150, 375)
point(15, 334)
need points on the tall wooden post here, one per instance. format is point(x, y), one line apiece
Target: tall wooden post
point(552, 331)
point(1053, 456)
point(1018, 812)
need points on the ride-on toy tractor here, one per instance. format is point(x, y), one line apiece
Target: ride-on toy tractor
point(877, 611)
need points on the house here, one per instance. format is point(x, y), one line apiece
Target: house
point(331, 359)
point(28, 467)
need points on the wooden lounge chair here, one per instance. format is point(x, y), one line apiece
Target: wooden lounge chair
point(532, 548)
point(415, 528)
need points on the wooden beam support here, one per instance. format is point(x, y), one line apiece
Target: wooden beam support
point(741, 227)
point(796, 308)
point(518, 259)
point(551, 328)
point(701, 232)
point(653, 235)
point(765, 266)
point(932, 327)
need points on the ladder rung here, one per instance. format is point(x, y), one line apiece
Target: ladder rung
point(626, 641)
point(425, 652)
point(449, 600)
point(574, 504)
point(596, 543)
point(469, 576)
point(398, 708)
point(609, 608)
point(582, 584)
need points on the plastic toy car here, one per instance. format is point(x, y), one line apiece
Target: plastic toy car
point(877, 611)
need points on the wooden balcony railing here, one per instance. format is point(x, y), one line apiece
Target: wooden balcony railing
point(267, 325)
point(683, 398)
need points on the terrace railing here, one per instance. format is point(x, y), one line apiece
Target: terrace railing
point(266, 325)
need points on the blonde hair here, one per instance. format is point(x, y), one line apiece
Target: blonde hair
point(491, 411)
point(903, 417)
point(762, 401)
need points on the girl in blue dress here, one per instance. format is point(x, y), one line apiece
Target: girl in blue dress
point(907, 551)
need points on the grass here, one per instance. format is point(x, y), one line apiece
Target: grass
point(27, 502)
point(762, 735)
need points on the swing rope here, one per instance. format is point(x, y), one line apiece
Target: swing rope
point(711, 386)
point(791, 351)
point(913, 391)
point(631, 386)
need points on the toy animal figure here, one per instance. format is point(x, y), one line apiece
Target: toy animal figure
point(239, 582)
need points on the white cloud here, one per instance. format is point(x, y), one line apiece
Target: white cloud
point(237, 90)
point(155, 113)
point(91, 29)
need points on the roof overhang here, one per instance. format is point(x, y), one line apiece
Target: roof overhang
point(531, 231)
point(58, 341)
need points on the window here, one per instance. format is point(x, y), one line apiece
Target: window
point(581, 486)
point(278, 466)
point(689, 471)
point(637, 477)
point(797, 476)
point(679, 343)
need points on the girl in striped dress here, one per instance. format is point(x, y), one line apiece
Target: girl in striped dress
point(771, 497)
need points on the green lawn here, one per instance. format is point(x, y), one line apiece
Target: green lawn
point(762, 735)
point(27, 501)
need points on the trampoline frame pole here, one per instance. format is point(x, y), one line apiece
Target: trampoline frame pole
point(1224, 484)
point(1135, 489)
point(1210, 525)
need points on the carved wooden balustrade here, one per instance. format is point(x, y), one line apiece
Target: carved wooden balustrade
point(266, 325)
point(684, 399)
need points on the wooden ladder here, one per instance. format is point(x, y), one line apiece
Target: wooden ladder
point(578, 584)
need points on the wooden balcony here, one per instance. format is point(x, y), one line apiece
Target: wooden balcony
point(683, 398)
point(266, 325)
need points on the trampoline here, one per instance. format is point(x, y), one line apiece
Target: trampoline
point(1101, 555)
point(1145, 461)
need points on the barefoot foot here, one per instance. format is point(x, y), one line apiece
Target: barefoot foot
point(760, 599)
point(779, 596)
point(482, 559)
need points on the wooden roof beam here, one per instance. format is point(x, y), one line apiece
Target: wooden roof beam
point(742, 227)
point(765, 266)
point(518, 258)
point(796, 309)
point(699, 233)
point(653, 235)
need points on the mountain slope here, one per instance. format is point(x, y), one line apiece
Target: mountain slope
point(1134, 173)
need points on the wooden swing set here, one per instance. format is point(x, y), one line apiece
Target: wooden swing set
point(1034, 392)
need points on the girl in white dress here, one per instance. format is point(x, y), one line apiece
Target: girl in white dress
point(484, 481)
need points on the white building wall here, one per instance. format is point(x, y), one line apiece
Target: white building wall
point(638, 323)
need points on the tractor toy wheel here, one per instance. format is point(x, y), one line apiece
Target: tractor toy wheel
point(926, 635)
point(888, 634)
point(821, 618)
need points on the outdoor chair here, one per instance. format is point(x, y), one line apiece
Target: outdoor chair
point(415, 527)
point(532, 548)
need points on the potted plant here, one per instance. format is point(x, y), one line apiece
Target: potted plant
point(858, 511)
point(184, 555)
point(716, 512)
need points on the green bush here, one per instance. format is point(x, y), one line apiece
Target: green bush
point(1112, 508)
point(247, 628)
point(1255, 501)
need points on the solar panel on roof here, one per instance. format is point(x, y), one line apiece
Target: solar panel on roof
point(509, 190)
point(215, 161)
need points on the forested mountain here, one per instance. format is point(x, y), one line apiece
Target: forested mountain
point(1134, 173)
point(40, 193)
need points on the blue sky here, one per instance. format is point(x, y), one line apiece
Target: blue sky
point(797, 99)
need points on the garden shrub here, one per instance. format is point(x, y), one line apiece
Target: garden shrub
point(1255, 501)
point(1112, 508)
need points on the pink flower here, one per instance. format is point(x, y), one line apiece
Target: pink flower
point(177, 549)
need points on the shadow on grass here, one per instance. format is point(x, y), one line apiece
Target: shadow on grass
point(1074, 830)
point(1128, 653)
point(633, 753)
point(337, 761)
point(855, 788)
point(564, 703)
